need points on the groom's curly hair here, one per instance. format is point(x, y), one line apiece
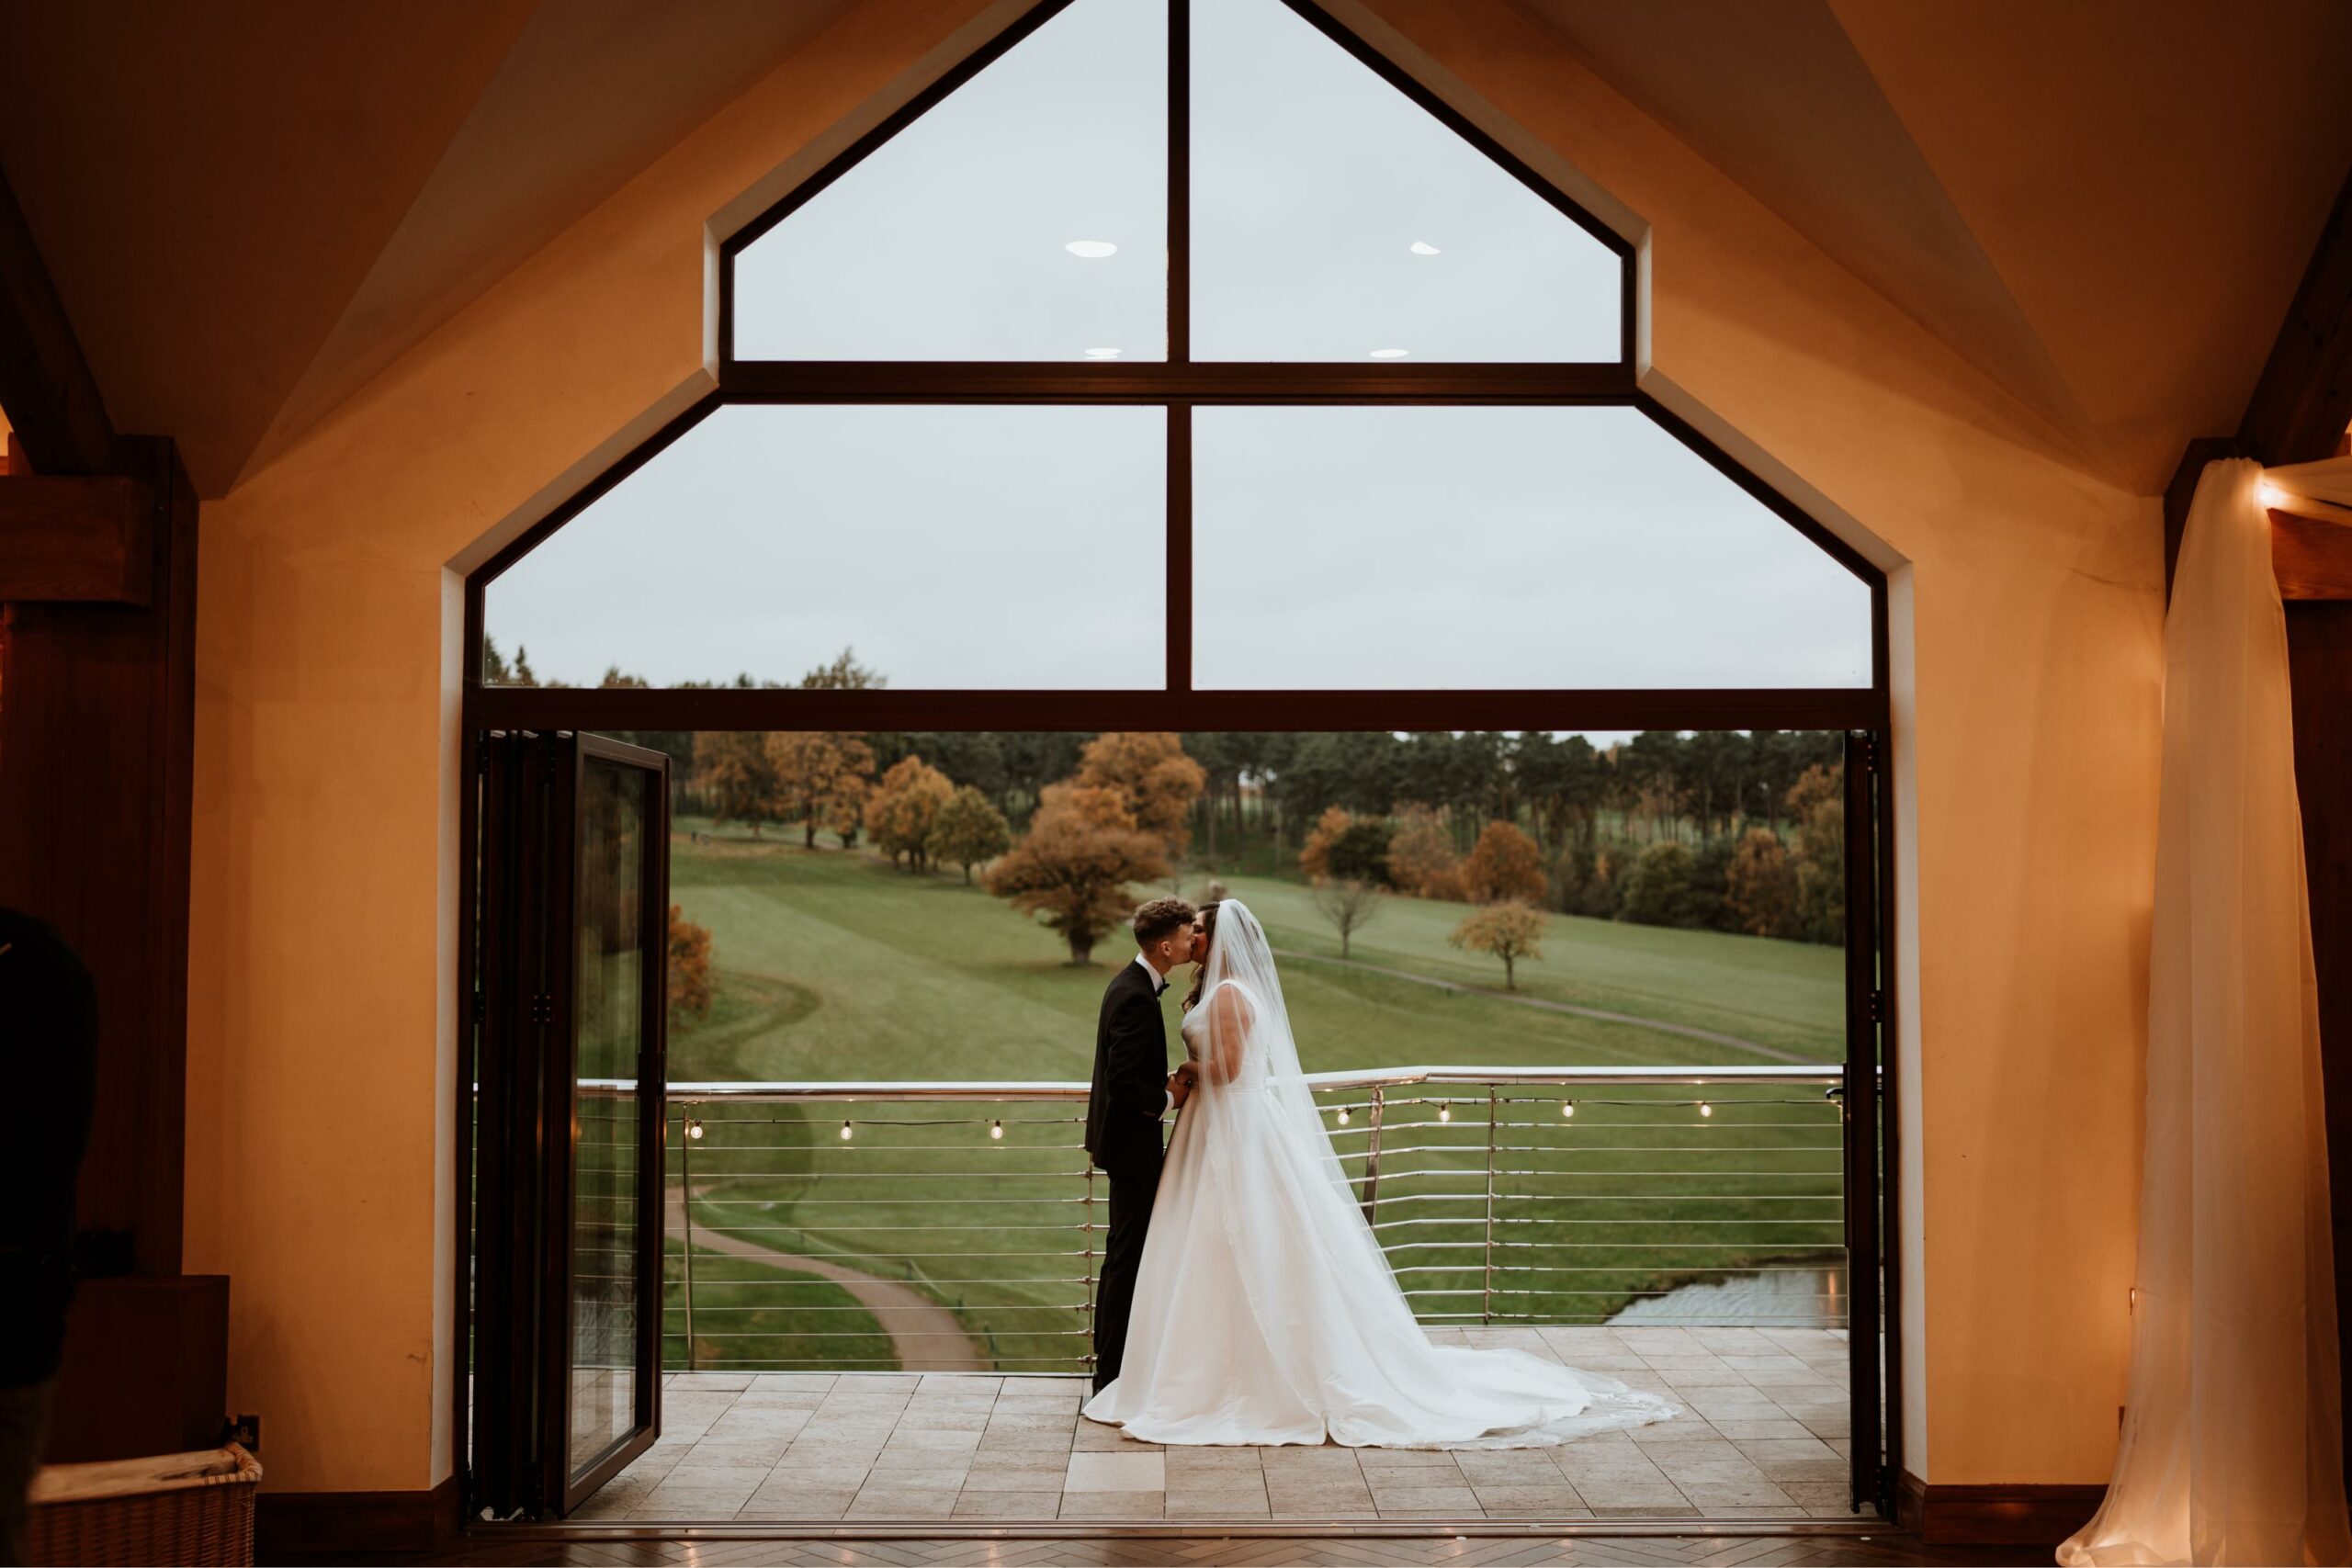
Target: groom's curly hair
point(1159, 918)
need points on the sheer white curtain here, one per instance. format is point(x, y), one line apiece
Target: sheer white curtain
point(2231, 1447)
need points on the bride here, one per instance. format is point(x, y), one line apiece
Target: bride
point(1265, 1312)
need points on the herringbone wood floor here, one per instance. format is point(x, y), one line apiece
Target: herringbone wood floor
point(1112, 1551)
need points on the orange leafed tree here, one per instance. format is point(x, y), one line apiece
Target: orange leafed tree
point(1153, 779)
point(1314, 858)
point(733, 770)
point(1074, 864)
point(816, 773)
point(1761, 884)
point(905, 805)
point(1504, 865)
point(1507, 931)
point(689, 966)
point(1420, 857)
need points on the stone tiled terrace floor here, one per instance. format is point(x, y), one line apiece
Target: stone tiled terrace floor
point(1762, 1435)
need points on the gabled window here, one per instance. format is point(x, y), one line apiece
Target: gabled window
point(1183, 346)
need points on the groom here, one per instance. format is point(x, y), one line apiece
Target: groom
point(1133, 1089)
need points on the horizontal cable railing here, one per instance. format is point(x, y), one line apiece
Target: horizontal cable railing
point(959, 1226)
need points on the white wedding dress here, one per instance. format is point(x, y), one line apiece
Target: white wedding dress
point(1265, 1311)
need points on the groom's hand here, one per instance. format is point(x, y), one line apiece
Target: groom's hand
point(1179, 1083)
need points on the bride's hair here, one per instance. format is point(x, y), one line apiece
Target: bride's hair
point(1201, 956)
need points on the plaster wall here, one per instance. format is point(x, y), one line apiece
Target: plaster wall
point(321, 1051)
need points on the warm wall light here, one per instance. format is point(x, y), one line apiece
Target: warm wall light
point(1092, 249)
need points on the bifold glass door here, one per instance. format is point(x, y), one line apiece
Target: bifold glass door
point(570, 1006)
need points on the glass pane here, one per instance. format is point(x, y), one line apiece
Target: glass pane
point(1498, 547)
point(965, 547)
point(1334, 219)
point(1025, 217)
point(610, 1003)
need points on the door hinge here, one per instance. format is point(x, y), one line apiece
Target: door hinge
point(542, 1008)
point(1864, 743)
point(481, 1008)
point(1878, 1006)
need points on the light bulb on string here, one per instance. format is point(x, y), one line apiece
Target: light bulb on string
point(1567, 1108)
point(1705, 1109)
point(1445, 1112)
point(845, 1132)
point(996, 1129)
point(693, 1130)
point(1343, 1116)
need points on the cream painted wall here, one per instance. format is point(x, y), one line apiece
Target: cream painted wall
point(322, 1045)
point(321, 999)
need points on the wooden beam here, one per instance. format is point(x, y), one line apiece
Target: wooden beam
point(91, 540)
point(2303, 402)
point(2311, 557)
point(45, 384)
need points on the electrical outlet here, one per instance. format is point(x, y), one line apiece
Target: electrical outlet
point(244, 1431)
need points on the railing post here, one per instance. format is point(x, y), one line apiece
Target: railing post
point(686, 1208)
point(1089, 1228)
point(1487, 1305)
point(1372, 1162)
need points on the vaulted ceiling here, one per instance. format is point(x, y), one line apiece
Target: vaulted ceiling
point(251, 207)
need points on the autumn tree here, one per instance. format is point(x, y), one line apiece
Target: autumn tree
point(1315, 857)
point(820, 777)
point(1762, 886)
point(968, 830)
point(735, 771)
point(1817, 804)
point(1074, 864)
point(904, 806)
point(1422, 859)
point(1504, 865)
point(1507, 931)
point(1349, 903)
point(1153, 778)
point(845, 807)
point(689, 966)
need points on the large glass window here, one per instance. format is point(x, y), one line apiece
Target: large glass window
point(1334, 220)
point(1497, 548)
point(951, 547)
point(1024, 218)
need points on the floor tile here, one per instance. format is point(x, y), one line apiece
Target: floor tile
point(1113, 1504)
point(1115, 1473)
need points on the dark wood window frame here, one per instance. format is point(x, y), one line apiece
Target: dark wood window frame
point(1179, 385)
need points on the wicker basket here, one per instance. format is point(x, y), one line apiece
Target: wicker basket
point(195, 1507)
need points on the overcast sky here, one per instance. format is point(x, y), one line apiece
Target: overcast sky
point(1022, 546)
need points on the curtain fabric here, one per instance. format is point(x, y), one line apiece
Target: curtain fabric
point(2232, 1444)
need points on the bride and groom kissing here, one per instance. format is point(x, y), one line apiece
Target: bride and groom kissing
point(1243, 1298)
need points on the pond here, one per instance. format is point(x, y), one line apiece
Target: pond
point(1783, 1296)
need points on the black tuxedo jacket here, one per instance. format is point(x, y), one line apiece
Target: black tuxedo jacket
point(1130, 1090)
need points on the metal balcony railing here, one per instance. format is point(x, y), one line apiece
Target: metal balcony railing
point(957, 1226)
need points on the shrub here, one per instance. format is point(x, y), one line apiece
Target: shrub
point(1657, 889)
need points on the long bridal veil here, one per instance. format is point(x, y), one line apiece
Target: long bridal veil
point(1337, 1329)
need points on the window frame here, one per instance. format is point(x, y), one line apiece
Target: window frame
point(1179, 384)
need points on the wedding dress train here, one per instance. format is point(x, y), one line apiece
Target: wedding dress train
point(1265, 1311)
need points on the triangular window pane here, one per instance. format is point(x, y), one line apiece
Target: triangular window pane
point(1335, 219)
point(1494, 548)
point(955, 239)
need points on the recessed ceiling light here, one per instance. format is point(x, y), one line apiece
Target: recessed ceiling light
point(1390, 352)
point(1423, 248)
point(1092, 249)
point(1101, 353)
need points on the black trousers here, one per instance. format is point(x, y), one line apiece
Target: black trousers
point(1115, 1292)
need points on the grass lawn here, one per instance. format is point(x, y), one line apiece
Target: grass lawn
point(832, 965)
